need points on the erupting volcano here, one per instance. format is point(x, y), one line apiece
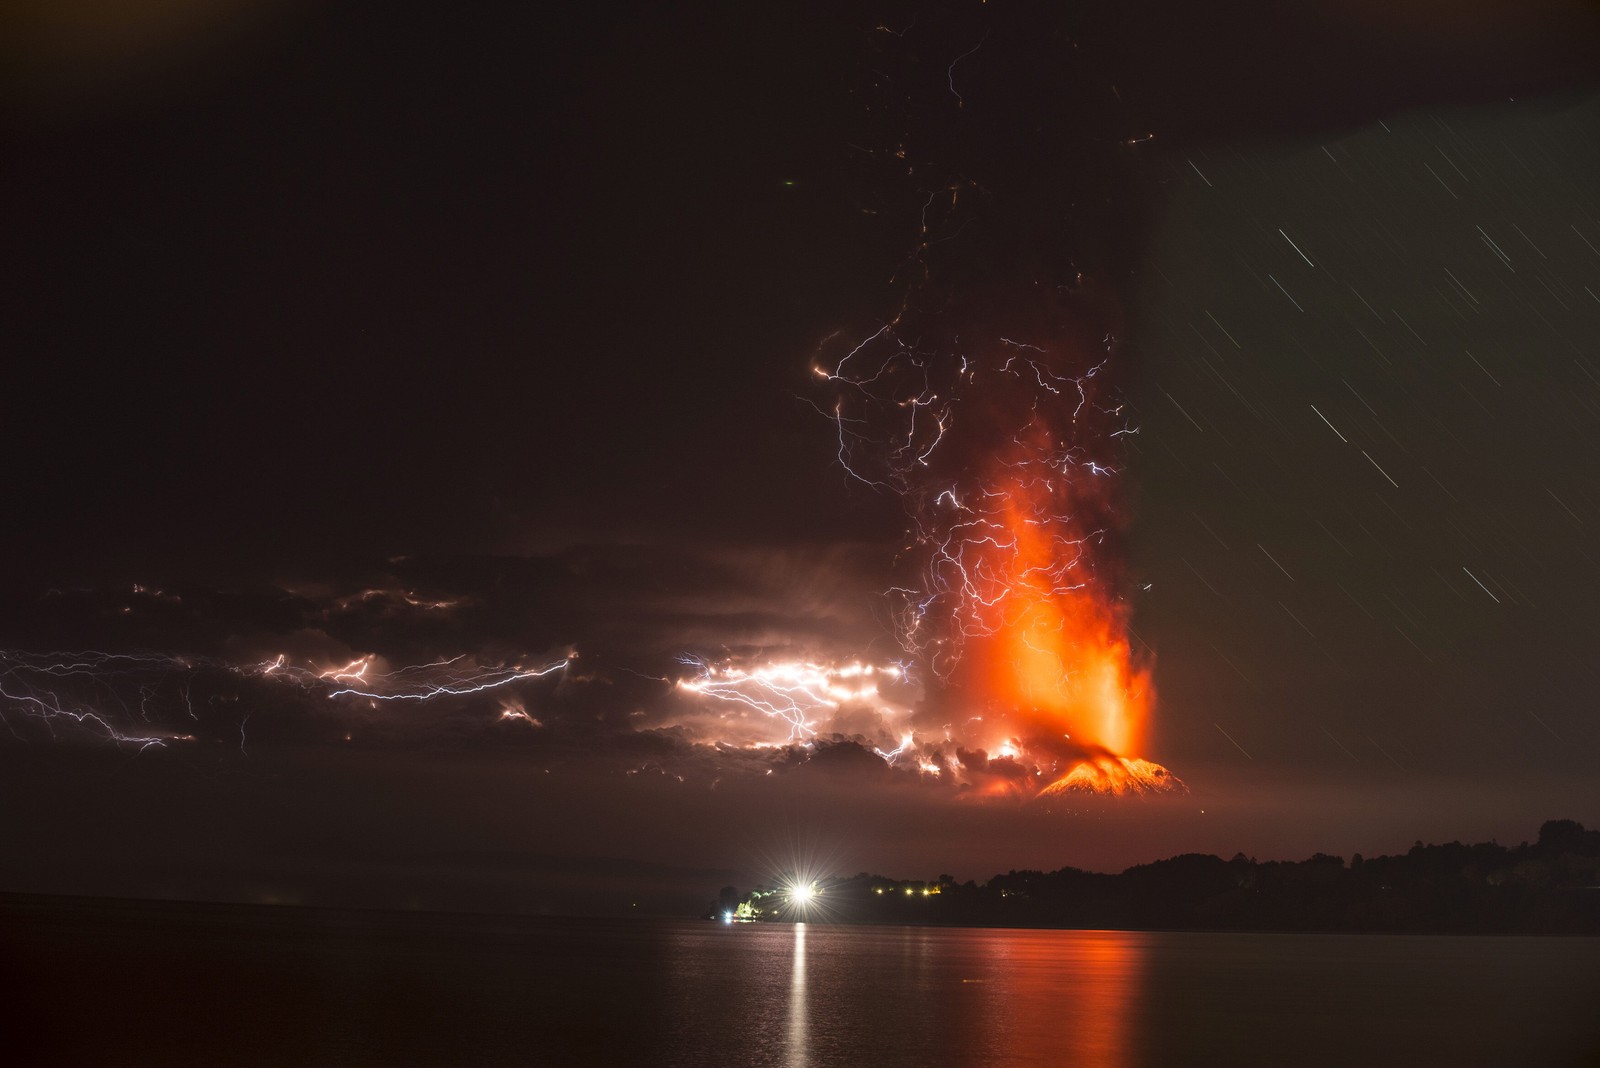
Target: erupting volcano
point(1007, 452)
point(1058, 661)
point(988, 403)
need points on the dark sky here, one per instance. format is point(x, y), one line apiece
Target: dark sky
point(333, 332)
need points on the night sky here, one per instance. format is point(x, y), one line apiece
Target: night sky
point(335, 333)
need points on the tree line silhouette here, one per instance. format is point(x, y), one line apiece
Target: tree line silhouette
point(1549, 886)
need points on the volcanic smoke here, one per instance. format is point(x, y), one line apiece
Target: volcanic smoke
point(987, 404)
point(1005, 449)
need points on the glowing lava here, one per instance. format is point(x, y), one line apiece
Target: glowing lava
point(988, 403)
point(1054, 658)
point(1109, 774)
point(1007, 453)
point(1060, 656)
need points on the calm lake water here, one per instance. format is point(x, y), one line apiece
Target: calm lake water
point(109, 983)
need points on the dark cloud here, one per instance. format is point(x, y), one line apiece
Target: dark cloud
point(485, 339)
point(1254, 70)
point(269, 664)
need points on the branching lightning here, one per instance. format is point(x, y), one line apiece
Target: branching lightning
point(129, 699)
point(797, 695)
point(987, 404)
point(1007, 460)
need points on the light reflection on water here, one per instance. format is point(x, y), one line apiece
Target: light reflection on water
point(799, 1025)
point(810, 996)
point(293, 986)
point(906, 995)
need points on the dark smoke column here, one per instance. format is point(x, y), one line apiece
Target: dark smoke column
point(988, 403)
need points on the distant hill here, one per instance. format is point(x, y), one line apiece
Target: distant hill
point(1550, 886)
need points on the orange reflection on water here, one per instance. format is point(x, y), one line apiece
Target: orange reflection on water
point(1114, 964)
point(892, 996)
point(1058, 997)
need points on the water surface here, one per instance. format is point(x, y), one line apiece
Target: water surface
point(109, 983)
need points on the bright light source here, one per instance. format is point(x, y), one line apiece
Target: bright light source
point(802, 893)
